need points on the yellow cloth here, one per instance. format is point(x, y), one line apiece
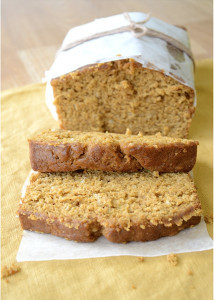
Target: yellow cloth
point(24, 112)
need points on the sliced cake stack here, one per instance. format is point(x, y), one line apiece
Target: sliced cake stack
point(125, 187)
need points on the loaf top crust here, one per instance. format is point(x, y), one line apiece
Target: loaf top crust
point(58, 136)
point(113, 200)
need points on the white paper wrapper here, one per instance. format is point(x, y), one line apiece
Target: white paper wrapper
point(152, 53)
point(36, 246)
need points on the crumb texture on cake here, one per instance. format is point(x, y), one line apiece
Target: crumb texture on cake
point(65, 151)
point(172, 259)
point(124, 207)
point(8, 271)
point(123, 94)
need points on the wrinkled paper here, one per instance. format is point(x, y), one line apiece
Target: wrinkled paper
point(152, 53)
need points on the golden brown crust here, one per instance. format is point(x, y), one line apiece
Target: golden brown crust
point(124, 155)
point(85, 232)
point(150, 233)
point(166, 158)
point(72, 157)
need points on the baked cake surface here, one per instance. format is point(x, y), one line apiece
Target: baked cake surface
point(64, 151)
point(84, 205)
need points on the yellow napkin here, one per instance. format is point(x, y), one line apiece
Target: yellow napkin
point(24, 112)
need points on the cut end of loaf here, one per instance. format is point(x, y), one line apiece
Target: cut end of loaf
point(123, 94)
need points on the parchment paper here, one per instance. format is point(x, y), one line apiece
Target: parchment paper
point(36, 246)
point(152, 53)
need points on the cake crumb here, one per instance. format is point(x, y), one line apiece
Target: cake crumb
point(134, 287)
point(172, 259)
point(128, 131)
point(189, 272)
point(155, 173)
point(141, 258)
point(6, 280)
point(8, 271)
point(208, 218)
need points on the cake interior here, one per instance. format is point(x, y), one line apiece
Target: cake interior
point(122, 94)
point(111, 199)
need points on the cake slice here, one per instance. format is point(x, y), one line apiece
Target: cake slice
point(65, 151)
point(84, 205)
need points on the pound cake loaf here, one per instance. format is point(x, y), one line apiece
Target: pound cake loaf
point(65, 151)
point(124, 80)
point(84, 205)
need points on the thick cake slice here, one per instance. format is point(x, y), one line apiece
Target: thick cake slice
point(84, 205)
point(65, 151)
